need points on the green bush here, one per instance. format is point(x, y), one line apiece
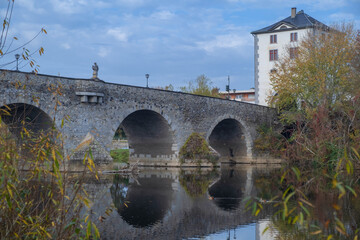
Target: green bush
point(196, 148)
point(120, 155)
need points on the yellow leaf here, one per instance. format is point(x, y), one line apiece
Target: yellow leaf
point(53, 154)
point(48, 235)
point(334, 183)
point(9, 190)
point(97, 234)
point(340, 230)
point(308, 203)
point(267, 228)
point(336, 207)
point(316, 232)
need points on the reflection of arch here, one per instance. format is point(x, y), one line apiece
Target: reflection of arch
point(25, 115)
point(147, 202)
point(228, 190)
point(148, 133)
point(230, 137)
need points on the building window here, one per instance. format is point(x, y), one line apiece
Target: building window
point(273, 55)
point(273, 38)
point(293, 37)
point(293, 52)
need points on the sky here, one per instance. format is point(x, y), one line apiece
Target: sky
point(172, 40)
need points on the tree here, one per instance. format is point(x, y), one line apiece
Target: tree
point(321, 73)
point(201, 86)
point(169, 87)
point(318, 90)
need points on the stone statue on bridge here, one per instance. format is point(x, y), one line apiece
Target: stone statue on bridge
point(95, 67)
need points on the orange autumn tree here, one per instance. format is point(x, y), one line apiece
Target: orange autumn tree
point(317, 92)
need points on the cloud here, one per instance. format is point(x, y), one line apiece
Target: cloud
point(314, 4)
point(341, 16)
point(163, 15)
point(66, 46)
point(119, 34)
point(100, 4)
point(103, 51)
point(346, 17)
point(242, 1)
point(29, 5)
point(68, 6)
point(326, 4)
point(319, 5)
point(230, 41)
point(131, 3)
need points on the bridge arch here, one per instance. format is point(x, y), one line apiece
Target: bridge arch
point(25, 115)
point(149, 133)
point(230, 137)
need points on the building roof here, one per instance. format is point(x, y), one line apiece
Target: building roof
point(300, 21)
point(238, 91)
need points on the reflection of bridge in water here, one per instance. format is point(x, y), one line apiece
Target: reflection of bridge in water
point(165, 204)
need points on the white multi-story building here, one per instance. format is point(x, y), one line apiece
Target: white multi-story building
point(273, 42)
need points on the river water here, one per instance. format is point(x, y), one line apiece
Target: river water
point(191, 203)
point(180, 204)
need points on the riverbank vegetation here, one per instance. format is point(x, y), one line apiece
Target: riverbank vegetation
point(120, 155)
point(317, 96)
point(318, 99)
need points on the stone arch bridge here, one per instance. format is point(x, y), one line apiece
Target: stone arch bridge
point(156, 122)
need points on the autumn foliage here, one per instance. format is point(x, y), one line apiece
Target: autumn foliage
point(318, 96)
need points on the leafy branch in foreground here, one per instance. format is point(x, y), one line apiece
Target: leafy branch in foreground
point(309, 205)
point(41, 202)
point(8, 46)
